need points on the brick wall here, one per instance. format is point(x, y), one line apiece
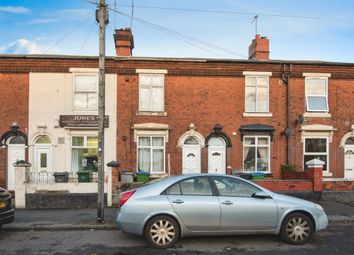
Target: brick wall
point(14, 89)
point(198, 93)
point(204, 101)
point(341, 108)
point(286, 185)
point(340, 185)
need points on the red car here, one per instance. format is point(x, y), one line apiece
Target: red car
point(7, 212)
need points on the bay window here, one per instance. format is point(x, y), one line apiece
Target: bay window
point(316, 148)
point(151, 154)
point(256, 153)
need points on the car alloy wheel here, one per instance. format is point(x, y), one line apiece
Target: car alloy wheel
point(297, 229)
point(162, 231)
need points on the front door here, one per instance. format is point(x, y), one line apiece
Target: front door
point(216, 156)
point(15, 153)
point(216, 160)
point(43, 158)
point(349, 161)
point(191, 156)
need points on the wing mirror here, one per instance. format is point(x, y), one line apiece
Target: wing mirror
point(261, 194)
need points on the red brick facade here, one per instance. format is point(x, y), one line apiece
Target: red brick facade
point(14, 88)
point(204, 92)
point(207, 93)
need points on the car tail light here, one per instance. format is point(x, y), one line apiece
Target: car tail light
point(125, 196)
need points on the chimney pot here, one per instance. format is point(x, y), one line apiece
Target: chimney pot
point(124, 42)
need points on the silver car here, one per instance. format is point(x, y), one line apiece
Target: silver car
point(214, 204)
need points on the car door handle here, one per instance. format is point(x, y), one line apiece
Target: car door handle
point(227, 202)
point(178, 201)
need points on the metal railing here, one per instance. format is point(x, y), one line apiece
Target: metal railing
point(52, 177)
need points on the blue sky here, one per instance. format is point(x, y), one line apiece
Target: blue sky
point(69, 27)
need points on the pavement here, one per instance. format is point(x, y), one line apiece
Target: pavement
point(80, 219)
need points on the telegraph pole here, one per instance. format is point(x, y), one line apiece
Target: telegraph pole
point(102, 20)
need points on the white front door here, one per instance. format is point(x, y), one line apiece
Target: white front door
point(216, 159)
point(15, 153)
point(349, 161)
point(217, 155)
point(43, 158)
point(191, 159)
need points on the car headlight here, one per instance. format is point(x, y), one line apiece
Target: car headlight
point(319, 207)
point(2, 204)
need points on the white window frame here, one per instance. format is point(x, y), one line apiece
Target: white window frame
point(75, 108)
point(85, 146)
point(325, 78)
point(257, 77)
point(151, 154)
point(316, 153)
point(256, 145)
point(150, 87)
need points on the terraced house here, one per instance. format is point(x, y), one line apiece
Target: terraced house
point(171, 116)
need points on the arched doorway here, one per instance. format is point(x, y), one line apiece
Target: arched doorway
point(217, 155)
point(349, 158)
point(43, 154)
point(15, 152)
point(217, 141)
point(191, 156)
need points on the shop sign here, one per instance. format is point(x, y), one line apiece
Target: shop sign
point(81, 121)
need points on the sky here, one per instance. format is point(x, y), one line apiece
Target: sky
point(298, 30)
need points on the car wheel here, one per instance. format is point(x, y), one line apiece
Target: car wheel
point(162, 231)
point(297, 228)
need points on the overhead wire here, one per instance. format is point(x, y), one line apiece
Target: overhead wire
point(234, 12)
point(185, 38)
point(91, 2)
point(69, 33)
point(87, 37)
point(170, 33)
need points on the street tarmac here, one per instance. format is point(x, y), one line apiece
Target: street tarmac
point(336, 239)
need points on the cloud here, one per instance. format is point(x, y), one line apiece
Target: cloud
point(14, 9)
point(21, 46)
point(39, 21)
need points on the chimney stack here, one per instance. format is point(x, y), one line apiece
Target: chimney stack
point(124, 42)
point(259, 48)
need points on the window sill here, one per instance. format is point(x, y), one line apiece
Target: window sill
point(317, 115)
point(258, 114)
point(151, 113)
point(327, 174)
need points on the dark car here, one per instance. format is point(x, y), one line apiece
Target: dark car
point(7, 212)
